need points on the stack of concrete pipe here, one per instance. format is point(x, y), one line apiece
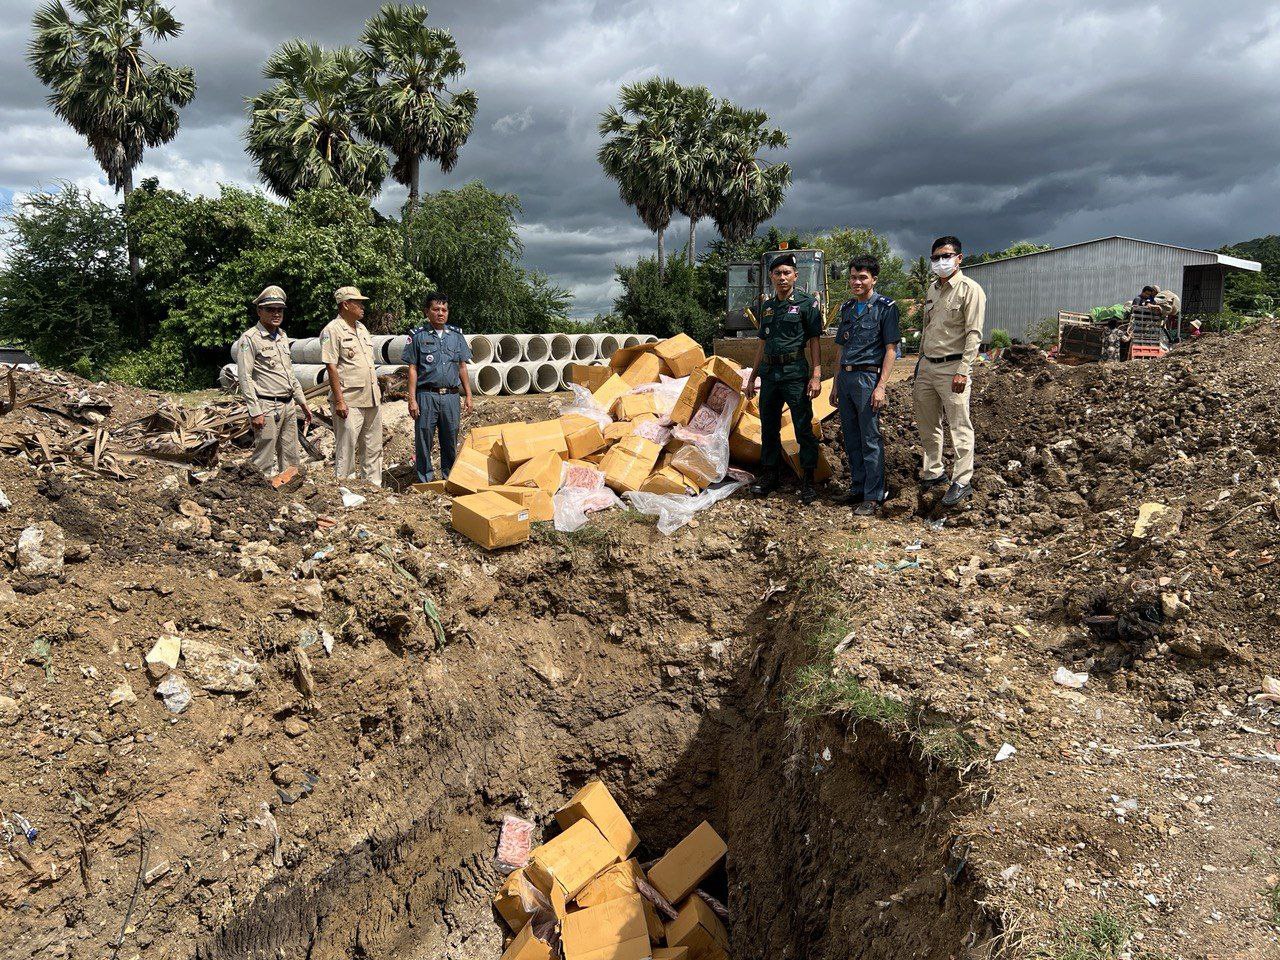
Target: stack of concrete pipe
point(501, 363)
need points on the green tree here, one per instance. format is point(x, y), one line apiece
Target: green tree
point(1254, 293)
point(750, 189)
point(667, 305)
point(471, 249)
point(106, 84)
point(303, 131)
point(409, 108)
point(65, 289)
point(840, 245)
point(641, 152)
point(1018, 248)
point(698, 190)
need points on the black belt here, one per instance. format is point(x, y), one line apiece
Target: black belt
point(437, 389)
point(778, 359)
point(859, 368)
point(949, 358)
point(285, 399)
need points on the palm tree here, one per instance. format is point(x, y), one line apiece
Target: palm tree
point(409, 109)
point(641, 152)
point(918, 279)
point(111, 90)
point(303, 130)
point(698, 192)
point(750, 190)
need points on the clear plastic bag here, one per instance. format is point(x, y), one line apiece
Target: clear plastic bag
point(674, 511)
point(707, 436)
point(582, 491)
point(665, 393)
point(584, 405)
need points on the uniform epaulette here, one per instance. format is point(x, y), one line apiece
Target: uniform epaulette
point(887, 300)
point(449, 326)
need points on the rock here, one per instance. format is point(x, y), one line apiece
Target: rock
point(217, 668)
point(1156, 521)
point(5, 504)
point(7, 594)
point(122, 696)
point(994, 576)
point(286, 775)
point(189, 508)
point(41, 550)
point(1173, 606)
point(10, 711)
point(257, 568)
point(120, 603)
point(169, 483)
point(164, 653)
point(296, 726)
point(78, 553)
point(175, 692)
point(303, 678)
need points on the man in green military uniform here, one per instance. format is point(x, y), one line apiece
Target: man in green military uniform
point(787, 363)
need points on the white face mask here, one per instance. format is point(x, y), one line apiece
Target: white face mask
point(945, 267)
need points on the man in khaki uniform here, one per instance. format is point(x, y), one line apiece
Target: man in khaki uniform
point(954, 310)
point(268, 385)
point(346, 348)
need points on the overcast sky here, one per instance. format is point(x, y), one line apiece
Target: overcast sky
point(998, 120)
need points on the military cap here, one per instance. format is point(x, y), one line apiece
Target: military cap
point(782, 260)
point(343, 294)
point(269, 296)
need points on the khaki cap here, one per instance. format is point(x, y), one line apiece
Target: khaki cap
point(268, 295)
point(343, 294)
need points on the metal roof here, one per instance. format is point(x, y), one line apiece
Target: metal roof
point(1221, 258)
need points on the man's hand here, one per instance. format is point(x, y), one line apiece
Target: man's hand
point(750, 390)
point(259, 421)
point(413, 407)
point(340, 409)
point(958, 383)
point(306, 414)
point(466, 404)
point(834, 399)
point(879, 399)
point(815, 387)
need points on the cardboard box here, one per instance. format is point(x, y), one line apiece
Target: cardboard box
point(791, 452)
point(744, 441)
point(509, 903)
point(822, 406)
point(490, 519)
point(615, 930)
point(646, 368)
point(527, 947)
point(701, 381)
point(634, 405)
point(543, 472)
point(695, 466)
point(521, 442)
point(562, 866)
point(485, 439)
point(589, 375)
point(582, 435)
point(681, 354)
point(700, 930)
point(594, 802)
point(609, 392)
point(433, 486)
point(688, 863)
point(539, 503)
point(621, 880)
point(666, 480)
point(624, 357)
point(629, 462)
point(671, 953)
point(617, 430)
point(475, 470)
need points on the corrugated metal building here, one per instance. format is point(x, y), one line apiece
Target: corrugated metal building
point(1022, 291)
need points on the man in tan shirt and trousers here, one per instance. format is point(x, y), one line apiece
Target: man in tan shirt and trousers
point(269, 386)
point(954, 311)
point(346, 348)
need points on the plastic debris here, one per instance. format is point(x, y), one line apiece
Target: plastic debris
point(175, 693)
point(674, 511)
point(515, 841)
point(350, 500)
point(1066, 678)
point(1270, 691)
point(1005, 752)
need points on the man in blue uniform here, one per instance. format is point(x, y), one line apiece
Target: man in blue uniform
point(437, 355)
point(787, 363)
point(868, 338)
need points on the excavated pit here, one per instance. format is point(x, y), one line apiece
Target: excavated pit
point(840, 841)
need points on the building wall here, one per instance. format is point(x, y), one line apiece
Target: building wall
point(1022, 291)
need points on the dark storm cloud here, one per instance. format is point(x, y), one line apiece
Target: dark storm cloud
point(995, 119)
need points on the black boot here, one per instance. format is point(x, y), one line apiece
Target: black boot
point(808, 492)
point(765, 484)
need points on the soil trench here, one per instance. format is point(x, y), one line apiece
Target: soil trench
point(840, 840)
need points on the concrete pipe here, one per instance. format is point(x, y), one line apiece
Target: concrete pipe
point(306, 350)
point(648, 338)
point(546, 376)
point(481, 348)
point(534, 347)
point(310, 375)
point(606, 345)
point(631, 340)
point(562, 370)
point(508, 348)
point(390, 349)
point(486, 379)
point(561, 346)
point(584, 348)
point(228, 377)
point(387, 369)
point(517, 378)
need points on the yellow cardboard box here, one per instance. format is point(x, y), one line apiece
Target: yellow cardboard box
point(681, 354)
point(744, 441)
point(485, 438)
point(699, 386)
point(509, 903)
point(526, 946)
point(490, 519)
point(622, 880)
point(626, 356)
point(615, 930)
point(646, 368)
point(522, 442)
point(609, 392)
point(629, 462)
point(700, 930)
point(433, 486)
point(667, 481)
point(695, 466)
point(590, 375)
point(594, 802)
point(539, 503)
point(474, 470)
point(562, 866)
point(634, 405)
point(543, 472)
point(582, 435)
point(791, 451)
point(671, 953)
point(688, 863)
point(822, 406)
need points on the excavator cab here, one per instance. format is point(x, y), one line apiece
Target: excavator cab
point(749, 286)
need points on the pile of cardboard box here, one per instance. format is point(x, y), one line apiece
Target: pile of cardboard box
point(507, 475)
point(583, 896)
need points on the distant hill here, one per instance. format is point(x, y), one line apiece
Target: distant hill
point(1255, 292)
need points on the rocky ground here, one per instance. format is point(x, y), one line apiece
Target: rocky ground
point(342, 670)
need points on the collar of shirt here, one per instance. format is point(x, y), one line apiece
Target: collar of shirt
point(950, 281)
point(264, 332)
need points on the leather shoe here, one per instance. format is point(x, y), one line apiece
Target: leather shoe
point(765, 485)
point(849, 498)
point(931, 483)
point(955, 493)
point(868, 508)
point(808, 492)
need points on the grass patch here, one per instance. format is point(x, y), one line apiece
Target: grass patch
point(589, 537)
point(816, 692)
point(1273, 900)
point(1104, 936)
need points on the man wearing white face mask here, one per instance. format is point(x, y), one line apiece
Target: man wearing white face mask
point(954, 310)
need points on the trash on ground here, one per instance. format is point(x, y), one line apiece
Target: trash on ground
point(1067, 678)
